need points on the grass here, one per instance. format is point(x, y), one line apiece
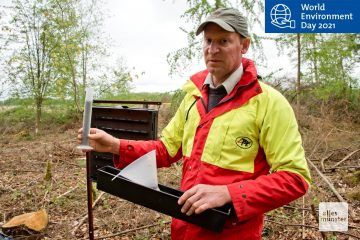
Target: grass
point(144, 96)
point(19, 113)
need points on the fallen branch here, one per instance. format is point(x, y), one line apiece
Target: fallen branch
point(290, 224)
point(323, 159)
point(296, 208)
point(132, 230)
point(341, 130)
point(345, 158)
point(340, 149)
point(32, 236)
point(319, 142)
point(314, 213)
point(355, 227)
point(331, 186)
point(67, 192)
point(20, 170)
point(308, 226)
point(303, 217)
point(330, 170)
point(83, 219)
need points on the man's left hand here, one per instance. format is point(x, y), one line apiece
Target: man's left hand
point(202, 197)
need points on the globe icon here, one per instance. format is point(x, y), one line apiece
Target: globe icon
point(280, 13)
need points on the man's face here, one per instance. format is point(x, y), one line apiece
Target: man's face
point(222, 51)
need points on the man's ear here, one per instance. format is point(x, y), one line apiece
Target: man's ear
point(245, 45)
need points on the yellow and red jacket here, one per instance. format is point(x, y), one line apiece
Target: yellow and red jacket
point(249, 142)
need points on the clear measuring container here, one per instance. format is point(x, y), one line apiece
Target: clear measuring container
point(87, 120)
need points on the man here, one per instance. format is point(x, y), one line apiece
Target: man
point(238, 138)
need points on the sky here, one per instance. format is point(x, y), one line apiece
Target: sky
point(143, 32)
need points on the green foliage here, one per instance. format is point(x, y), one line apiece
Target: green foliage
point(196, 13)
point(20, 113)
point(329, 63)
point(176, 100)
point(13, 114)
point(53, 47)
point(143, 96)
point(115, 82)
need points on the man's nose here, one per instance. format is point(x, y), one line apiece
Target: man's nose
point(213, 48)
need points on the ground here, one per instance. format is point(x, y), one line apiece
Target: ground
point(46, 171)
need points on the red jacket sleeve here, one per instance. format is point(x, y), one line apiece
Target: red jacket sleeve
point(130, 150)
point(254, 197)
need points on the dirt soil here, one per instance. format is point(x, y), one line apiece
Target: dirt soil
point(47, 171)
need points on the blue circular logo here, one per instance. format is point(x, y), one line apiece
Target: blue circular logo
point(280, 13)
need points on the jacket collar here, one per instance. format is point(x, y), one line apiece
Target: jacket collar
point(195, 85)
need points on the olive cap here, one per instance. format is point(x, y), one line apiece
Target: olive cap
point(230, 19)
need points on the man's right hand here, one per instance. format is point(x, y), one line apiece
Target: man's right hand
point(101, 141)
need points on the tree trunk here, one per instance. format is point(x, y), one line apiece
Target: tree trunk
point(76, 92)
point(316, 75)
point(38, 101)
point(298, 76)
point(84, 58)
point(73, 76)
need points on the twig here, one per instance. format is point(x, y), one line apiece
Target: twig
point(323, 159)
point(20, 170)
point(297, 208)
point(319, 142)
point(303, 218)
point(290, 224)
point(67, 192)
point(355, 227)
point(340, 149)
point(132, 230)
point(331, 186)
point(345, 158)
point(61, 148)
point(313, 211)
point(277, 217)
point(83, 219)
point(341, 130)
point(32, 236)
point(330, 170)
point(308, 226)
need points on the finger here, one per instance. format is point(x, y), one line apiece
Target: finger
point(190, 204)
point(96, 134)
point(186, 195)
point(191, 210)
point(92, 144)
point(202, 208)
point(93, 130)
point(198, 207)
point(80, 130)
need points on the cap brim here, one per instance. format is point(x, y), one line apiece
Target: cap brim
point(219, 22)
